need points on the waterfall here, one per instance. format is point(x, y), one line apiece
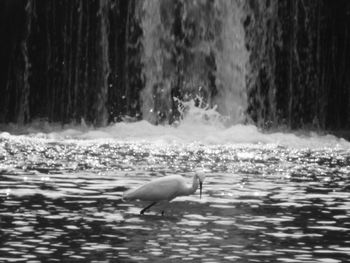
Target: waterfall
point(231, 58)
point(24, 111)
point(272, 63)
point(298, 52)
point(194, 48)
point(101, 109)
point(262, 36)
point(154, 61)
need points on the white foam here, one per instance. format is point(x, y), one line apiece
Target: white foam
point(142, 131)
point(199, 126)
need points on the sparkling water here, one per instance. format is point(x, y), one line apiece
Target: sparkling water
point(278, 197)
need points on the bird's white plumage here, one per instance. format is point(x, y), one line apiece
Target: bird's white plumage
point(164, 188)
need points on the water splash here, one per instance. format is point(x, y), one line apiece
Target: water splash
point(194, 48)
point(202, 126)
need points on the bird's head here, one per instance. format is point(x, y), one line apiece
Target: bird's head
point(201, 178)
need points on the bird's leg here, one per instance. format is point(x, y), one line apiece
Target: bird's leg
point(147, 207)
point(165, 204)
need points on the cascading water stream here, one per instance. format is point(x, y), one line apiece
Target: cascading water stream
point(152, 58)
point(231, 58)
point(23, 107)
point(102, 115)
point(269, 63)
point(194, 48)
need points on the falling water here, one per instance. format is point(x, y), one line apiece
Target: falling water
point(194, 48)
point(102, 117)
point(24, 111)
point(263, 33)
point(269, 63)
point(231, 58)
point(297, 61)
point(153, 59)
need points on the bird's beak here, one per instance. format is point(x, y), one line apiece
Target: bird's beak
point(200, 190)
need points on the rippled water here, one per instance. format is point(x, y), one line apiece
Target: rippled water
point(61, 201)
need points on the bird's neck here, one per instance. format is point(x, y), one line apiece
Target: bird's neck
point(191, 189)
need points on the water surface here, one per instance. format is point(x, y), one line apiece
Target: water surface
point(61, 200)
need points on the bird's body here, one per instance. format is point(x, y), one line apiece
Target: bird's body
point(164, 189)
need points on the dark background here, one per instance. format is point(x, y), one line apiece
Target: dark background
point(64, 60)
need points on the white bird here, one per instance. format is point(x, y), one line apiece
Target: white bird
point(165, 188)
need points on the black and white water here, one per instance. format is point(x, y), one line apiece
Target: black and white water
point(277, 197)
point(269, 196)
point(265, 62)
